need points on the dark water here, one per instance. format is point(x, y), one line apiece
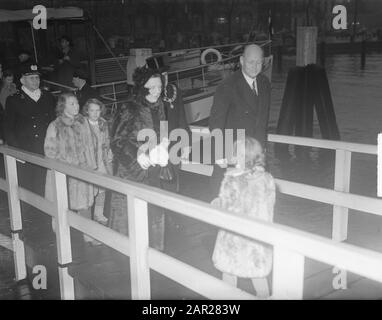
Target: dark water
point(356, 94)
point(357, 98)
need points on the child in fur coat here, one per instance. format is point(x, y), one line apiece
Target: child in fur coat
point(249, 191)
point(93, 111)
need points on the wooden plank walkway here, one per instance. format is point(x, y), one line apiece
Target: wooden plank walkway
point(102, 273)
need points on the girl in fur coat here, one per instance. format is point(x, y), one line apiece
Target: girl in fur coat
point(69, 139)
point(248, 191)
point(93, 111)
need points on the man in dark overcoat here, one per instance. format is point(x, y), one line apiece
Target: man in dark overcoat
point(27, 116)
point(242, 101)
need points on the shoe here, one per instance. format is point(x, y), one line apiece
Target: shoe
point(102, 220)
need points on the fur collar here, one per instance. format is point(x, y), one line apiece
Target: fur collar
point(66, 121)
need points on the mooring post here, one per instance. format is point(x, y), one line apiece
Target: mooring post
point(306, 46)
point(279, 58)
point(322, 53)
point(363, 54)
point(306, 54)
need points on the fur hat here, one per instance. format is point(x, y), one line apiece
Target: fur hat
point(141, 76)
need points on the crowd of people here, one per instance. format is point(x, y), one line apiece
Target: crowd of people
point(72, 129)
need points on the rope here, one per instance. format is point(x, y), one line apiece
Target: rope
point(34, 42)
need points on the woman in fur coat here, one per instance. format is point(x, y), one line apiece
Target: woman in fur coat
point(69, 139)
point(248, 191)
point(144, 111)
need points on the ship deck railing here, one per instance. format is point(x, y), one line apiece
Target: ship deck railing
point(290, 246)
point(201, 77)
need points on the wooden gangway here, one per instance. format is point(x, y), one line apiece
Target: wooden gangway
point(292, 247)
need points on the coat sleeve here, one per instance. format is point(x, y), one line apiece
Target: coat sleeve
point(219, 108)
point(262, 124)
point(10, 119)
point(122, 144)
point(107, 150)
point(51, 142)
point(180, 105)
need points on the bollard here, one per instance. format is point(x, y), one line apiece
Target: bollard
point(323, 53)
point(363, 54)
point(279, 58)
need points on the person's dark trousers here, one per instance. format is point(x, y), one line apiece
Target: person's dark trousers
point(173, 221)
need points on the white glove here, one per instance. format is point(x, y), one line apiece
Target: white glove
point(144, 161)
point(159, 155)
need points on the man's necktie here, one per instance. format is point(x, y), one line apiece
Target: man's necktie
point(254, 87)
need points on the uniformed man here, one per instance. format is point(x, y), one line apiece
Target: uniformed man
point(27, 116)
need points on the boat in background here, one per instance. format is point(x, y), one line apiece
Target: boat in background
point(196, 71)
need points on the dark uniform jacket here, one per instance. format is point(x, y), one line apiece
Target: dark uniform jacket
point(26, 121)
point(86, 93)
point(236, 106)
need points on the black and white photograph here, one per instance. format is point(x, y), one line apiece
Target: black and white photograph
point(204, 152)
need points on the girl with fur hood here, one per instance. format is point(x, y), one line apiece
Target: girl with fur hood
point(248, 191)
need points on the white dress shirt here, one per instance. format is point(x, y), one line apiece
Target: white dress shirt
point(252, 82)
point(34, 95)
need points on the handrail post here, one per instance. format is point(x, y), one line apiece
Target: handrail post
point(139, 242)
point(288, 274)
point(204, 80)
point(64, 248)
point(341, 183)
point(15, 217)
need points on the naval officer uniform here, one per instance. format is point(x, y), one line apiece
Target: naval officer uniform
point(27, 117)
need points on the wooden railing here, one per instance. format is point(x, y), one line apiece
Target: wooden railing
point(339, 196)
point(290, 245)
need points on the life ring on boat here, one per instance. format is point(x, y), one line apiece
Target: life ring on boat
point(210, 50)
